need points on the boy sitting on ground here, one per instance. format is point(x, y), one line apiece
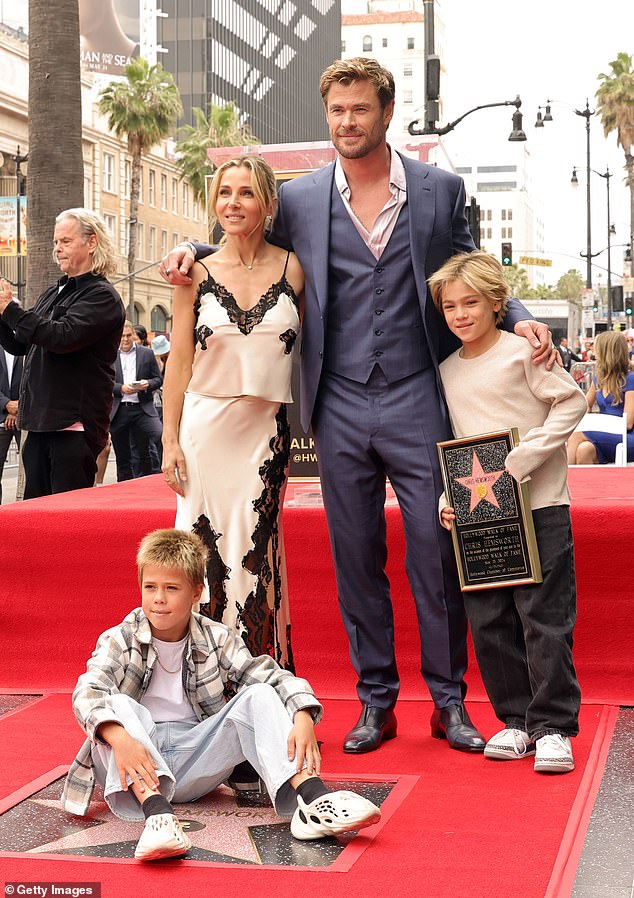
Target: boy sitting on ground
point(160, 729)
point(522, 635)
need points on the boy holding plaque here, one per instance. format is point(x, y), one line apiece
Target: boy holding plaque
point(522, 634)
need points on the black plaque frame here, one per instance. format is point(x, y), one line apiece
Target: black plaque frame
point(494, 538)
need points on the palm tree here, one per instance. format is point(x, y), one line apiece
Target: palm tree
point(221, 129)
point(143, 109)
point(55, 178)
point(616, 107)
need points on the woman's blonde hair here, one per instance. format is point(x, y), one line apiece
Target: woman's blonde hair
point(479, 270)
point(177, 549)
point(612, 364)
point(359, 68)
point(104, 259)
point(262, 181)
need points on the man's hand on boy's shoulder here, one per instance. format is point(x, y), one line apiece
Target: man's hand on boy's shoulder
point(302, 743)
point(539, 336)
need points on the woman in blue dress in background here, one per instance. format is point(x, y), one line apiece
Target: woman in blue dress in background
point(613, 390)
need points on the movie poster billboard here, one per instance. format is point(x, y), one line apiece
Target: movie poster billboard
point(109, 33)
point(9, 226)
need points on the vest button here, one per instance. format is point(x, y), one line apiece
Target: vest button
point(378, 311)
point(378, 332)
point(379, 270)
point(379, 291)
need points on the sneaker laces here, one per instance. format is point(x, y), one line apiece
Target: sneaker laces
point(521, 746)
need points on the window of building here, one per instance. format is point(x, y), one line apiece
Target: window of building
point(195, 210)
point(125, 238)
point(408, 97)
point(152, 188)
point(503, 215)
point(127, 177)
point(110, 222)
point(163, 191)
point(185, 200)
point(408, 70)
point(163, 243)
point(503, 233)
point(482, 214)
point(175, 240)
point(489, 215)
point(488, 233)
point(152, 248)
point(509, 232)
point(343, 47)
point(367, 44)
point(175, 196)
point(140, 240)
point(410, 43)
point(509, 214)
point(384, 42)
point(108, 172)
point(158, 320)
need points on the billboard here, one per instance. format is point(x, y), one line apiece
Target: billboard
point(9, 226)
point(109, 34)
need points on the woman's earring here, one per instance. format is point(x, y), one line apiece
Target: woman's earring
point(268, 221)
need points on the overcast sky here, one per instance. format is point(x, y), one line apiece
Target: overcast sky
point(543, 49)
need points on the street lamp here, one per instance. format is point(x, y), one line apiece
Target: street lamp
point(18, 158)
point(517, 133)
point(586, 113)
point(589, 255)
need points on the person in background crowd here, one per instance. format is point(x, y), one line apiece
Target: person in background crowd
point(69, 340)
point(567, 355)
point(135, 422)
point(140, 334)
point(10, 375)
point(612, 389)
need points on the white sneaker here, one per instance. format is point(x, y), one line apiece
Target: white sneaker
point(554, 754)
point(332, 814)
point(162, 836)
point(509, 744)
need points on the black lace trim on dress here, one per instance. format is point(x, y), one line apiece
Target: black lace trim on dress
point(201, 335)
point(288, 339)
point(244, 320)
point(263, 560)
point(217, 570)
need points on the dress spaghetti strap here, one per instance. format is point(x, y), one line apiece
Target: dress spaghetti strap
point(200, 262)
point(286, 265)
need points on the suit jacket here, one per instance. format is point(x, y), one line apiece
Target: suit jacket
point(8, 390)
point(438, 230)
point(146, 369)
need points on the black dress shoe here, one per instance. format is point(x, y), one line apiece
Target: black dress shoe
point(373, 727)
point(453, 724)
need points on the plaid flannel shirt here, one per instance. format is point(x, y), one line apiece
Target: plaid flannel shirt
point(123, 662)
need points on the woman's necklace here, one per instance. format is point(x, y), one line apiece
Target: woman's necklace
point(161, 665)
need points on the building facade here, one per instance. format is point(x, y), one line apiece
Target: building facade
point(265, 56)
point(167, 211)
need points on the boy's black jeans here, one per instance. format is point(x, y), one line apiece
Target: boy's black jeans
point(523, 637)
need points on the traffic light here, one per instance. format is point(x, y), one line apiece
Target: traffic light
point(617, 298)
point(507, 254)
point(628, 305)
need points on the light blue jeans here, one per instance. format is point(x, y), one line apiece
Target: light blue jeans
point(194, 758)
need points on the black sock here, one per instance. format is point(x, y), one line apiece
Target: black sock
point(156, 804)
point(311, 789)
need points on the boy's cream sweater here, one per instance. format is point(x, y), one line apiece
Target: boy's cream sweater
point(501, 389)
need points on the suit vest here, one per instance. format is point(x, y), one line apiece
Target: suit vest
point(374, 315)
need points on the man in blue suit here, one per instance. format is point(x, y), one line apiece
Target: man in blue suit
point(134, 419)
point(368, 230)
point(10, 375)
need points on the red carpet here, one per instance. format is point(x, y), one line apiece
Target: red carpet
point(468, 829)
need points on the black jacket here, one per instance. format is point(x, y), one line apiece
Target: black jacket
point(146, 369)
point(70, 340)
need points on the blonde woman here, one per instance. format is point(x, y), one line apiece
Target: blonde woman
point(613, 390)
point(226, 439)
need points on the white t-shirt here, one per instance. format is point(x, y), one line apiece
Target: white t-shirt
point(165, 698)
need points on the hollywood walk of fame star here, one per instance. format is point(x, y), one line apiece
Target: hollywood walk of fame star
point(480, 483)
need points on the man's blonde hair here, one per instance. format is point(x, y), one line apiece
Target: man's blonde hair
point(359, 68)
point(479, 270)
point(104, 258)
point(172, 548)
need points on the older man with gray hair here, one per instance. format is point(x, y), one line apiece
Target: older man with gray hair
point(69, 340)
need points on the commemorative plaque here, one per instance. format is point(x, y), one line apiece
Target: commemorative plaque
point(493, 534)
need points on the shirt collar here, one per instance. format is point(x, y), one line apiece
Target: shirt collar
point(79, 280)
point(397, 175)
